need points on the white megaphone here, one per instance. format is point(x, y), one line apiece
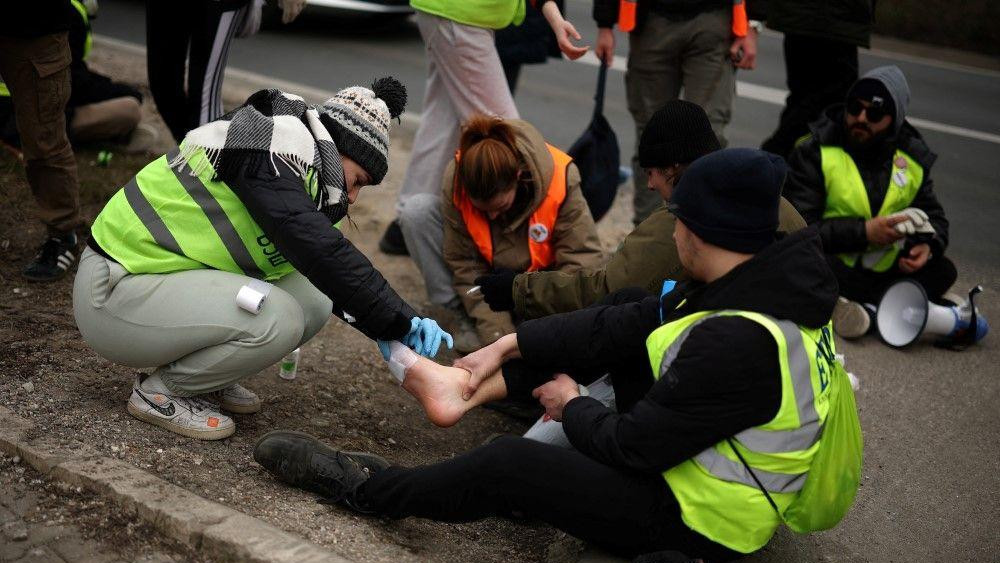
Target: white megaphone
point(905, 314)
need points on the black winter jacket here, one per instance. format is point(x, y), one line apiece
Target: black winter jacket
point(848, 21)
point(305, 237)
point(805, 186)
point(726, 377)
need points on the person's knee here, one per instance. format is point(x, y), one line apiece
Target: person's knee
point(279, 326)
point(316, 310)
point(417, 209)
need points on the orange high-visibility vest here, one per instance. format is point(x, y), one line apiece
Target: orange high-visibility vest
point(541, 224)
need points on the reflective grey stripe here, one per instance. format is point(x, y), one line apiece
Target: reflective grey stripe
point(726, 469)
point(150, 219)
point(220, 222)
point(870, 259)
point(774, 441)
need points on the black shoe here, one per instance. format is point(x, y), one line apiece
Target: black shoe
point(54, 259)
point(392, 241)
point(302, 461)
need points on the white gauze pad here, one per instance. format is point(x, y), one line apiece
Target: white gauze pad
point(400, 358)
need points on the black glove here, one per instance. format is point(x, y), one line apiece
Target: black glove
point(498, 289)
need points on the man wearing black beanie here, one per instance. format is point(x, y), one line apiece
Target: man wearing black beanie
point(723, 382)
point(678, 134)
point(863, 176)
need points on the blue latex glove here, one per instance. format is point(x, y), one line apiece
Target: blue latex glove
point(425, 337)
point(383, 346)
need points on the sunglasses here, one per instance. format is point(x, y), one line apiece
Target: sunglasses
point(875, 111)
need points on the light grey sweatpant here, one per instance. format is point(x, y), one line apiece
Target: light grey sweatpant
point(464, 76)
point(187, 324)
point(422, 223)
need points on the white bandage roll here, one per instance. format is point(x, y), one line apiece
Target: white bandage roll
point(252, 295)
point(400, 359)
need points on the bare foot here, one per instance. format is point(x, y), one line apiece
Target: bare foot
point(439, 389)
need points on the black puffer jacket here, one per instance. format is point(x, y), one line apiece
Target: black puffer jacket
point(806, 190)
point(305, 237)
point(848, 21)
point(726, 377)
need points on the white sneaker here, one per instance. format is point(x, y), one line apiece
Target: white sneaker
point(237, 398)
point(850, 319)
point(188, 416)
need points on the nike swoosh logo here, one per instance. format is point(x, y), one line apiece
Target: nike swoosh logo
point(168, 411)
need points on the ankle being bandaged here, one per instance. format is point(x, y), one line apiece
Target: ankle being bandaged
point(400, 359)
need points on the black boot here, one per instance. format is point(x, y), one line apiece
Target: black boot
point(302, 461)
point(392, 241)
point(54, 259)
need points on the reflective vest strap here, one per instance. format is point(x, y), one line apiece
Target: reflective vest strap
point(545, 216)
point(217, 217)
point(475, 222)
point(740, 23)
point(722, 467)
point(626, 15)
point(88, 41)
point(149, 218)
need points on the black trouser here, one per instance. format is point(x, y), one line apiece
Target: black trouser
point(865, 286)
point(818, 72)
point(195, 33)
point(626, 512)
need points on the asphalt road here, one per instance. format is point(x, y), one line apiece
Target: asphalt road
point(329, 52)
point(931, 490)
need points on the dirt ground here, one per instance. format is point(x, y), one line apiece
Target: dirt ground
point(343, 393)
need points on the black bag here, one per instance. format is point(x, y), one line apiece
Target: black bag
point(596, 155)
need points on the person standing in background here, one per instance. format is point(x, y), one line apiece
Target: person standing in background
point(821, 59)
point(464, 77)
point(675, 44)
point(532, 42)
point(34, 62)
point(194, 34)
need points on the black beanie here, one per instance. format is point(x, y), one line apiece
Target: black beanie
point(872, 91)
point(730, 198)
point(678, 133)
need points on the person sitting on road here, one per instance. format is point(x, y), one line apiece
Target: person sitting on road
point(863, 175)
point(663, 472)
point(676, 135)
point(510, 202)
point(253, 196)
point(99, 109)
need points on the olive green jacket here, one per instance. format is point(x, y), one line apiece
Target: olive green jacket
point(645, 258)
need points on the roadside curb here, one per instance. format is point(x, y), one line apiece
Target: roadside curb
point(208, 527)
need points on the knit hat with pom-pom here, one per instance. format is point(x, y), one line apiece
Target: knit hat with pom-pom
point(358, 120)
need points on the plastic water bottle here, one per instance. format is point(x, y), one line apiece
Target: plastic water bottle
point(286, 370)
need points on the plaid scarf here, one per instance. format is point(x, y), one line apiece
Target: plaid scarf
point(271, 124)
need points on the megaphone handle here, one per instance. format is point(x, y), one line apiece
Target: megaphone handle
point(969, 338)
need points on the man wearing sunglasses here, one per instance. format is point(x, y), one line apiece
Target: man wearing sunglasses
point(863, 175)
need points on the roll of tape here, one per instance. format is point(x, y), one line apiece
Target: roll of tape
point(249, 299)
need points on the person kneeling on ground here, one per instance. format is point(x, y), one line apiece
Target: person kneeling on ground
point(676, 135)
point(99, 109)
point(863, 175)
point(510, 202)
point(253, 196)
point(742, 361)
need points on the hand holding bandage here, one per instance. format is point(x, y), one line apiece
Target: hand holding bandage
point(916, 222)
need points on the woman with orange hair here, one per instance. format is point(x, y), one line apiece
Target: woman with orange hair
point(510, 202)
